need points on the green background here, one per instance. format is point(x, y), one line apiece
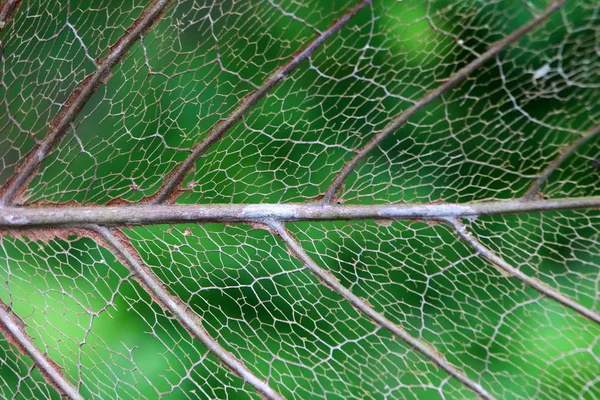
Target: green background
point(81, 306)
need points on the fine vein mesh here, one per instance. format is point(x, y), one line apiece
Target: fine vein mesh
point(561, 249)
point(485, 139)
point(425, 279)
point(578, 175)
point(19, 378)
point(264, 307)
point(47, 50)
point(488, 138)
point(188, 73)
point(82, 309)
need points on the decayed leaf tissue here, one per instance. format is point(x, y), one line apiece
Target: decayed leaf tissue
point(300, 199)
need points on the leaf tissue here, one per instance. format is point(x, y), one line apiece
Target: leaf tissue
point(300, 199)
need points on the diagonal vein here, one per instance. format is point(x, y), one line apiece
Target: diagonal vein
point(155, 286)
point(332, 282)
point(6, 11)
point(75, 103)
point(151, 283)
point(78, 99)
point(563, 155)
point(217, 132)
point(518, 274)
point(186, 317)
point(12, 329)
point(453, 81)
point(149, 280)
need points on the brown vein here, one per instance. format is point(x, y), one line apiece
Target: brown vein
point(7, 9)
point(564, 154)
point(516, 273)
point(13, 329)
point(424, 348)
point(51, 217)
point(78, 100)
point(453, 81)
point(23, 175)
point(217, 132)
point(186, 317)
point(151, 283)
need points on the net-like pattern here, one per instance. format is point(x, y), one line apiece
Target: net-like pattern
point(430, 282)
point(197, 109)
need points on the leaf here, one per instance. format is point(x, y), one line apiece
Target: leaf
point(299, 199)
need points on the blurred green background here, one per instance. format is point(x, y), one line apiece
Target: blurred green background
point(484, 140)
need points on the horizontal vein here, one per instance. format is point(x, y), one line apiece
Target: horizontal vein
point(518, 274)
point(453, 81)
point(78, 100)
point(49, 370)
point(217, 132)
point(185, 316)
point(13, 217)
point(564, 154)
point(424, 348)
